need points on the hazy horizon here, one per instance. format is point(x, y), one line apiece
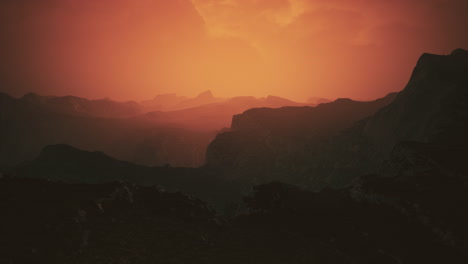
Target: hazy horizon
point(296, 49)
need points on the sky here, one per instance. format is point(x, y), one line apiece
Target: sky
point(136, 49)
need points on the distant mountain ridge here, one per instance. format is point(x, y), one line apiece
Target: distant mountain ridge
point(172, 102)
point(28, 127)
point(123, 130)
point(215, 116)
point(81, 106)
point(64, 163)
point(292, 117)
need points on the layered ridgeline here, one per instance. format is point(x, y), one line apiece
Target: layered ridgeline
point(333, 143)
point(30, 123)
point(128, 131)
point(84, 107)
point(215, 116)
point(412, 208)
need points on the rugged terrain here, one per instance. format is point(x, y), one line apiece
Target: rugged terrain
point(361, 182)
point(51, 222)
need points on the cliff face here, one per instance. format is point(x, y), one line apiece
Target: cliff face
point(432, 108)
point(324, 118)
point(331, 144)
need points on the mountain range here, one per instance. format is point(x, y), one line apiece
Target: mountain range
point(384, 181)
point(124, 130)
point(218, 115)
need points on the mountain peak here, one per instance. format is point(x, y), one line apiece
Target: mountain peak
point(206, 94)
point(459, 52)
point(30, 95)
point(435, 59)
point(275, 98)
point(165, 96)
point(344, 100)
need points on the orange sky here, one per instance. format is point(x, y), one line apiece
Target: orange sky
point(135, 49)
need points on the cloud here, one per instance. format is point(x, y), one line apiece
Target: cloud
point(244, 18)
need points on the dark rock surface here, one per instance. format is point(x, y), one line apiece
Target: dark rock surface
point(52, 222)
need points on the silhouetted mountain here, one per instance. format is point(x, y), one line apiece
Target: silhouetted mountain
point(162, 102)
point(203, 98)
point(68, 164)
point(431, 110)
point(172, 102)
point(276, 101)
point(65, 163)
point(313, 101)
point(178, 138)
point(326, 146)
point(81, 106)
point(340, 113)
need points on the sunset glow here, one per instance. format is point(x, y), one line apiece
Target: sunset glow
point(296, 49)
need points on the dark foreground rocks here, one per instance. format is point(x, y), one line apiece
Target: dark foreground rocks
point(51, 222)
